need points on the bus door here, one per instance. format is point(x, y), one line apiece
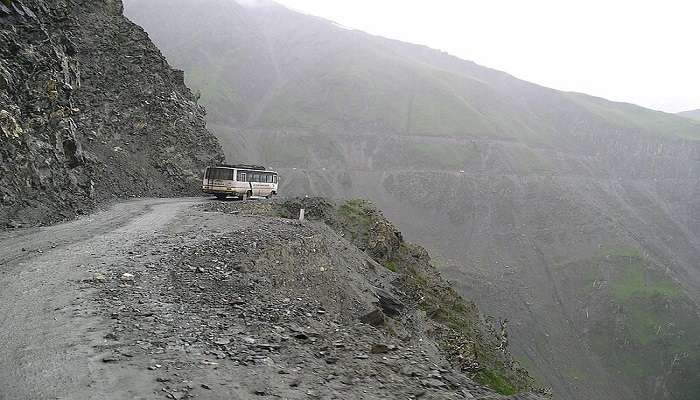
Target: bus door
point(268, 178)
point(242, 179)
point(255, 183)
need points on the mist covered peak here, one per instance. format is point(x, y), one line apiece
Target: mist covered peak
point(692, 114)
point(256, 3)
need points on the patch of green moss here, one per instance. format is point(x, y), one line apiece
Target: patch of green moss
point(495, 381)
point(356, 220)
point(452, 314)
point(390, 265)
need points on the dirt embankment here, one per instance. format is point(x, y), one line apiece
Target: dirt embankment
point(184, 299)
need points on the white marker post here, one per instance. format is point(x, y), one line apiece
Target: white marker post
point(301, 214)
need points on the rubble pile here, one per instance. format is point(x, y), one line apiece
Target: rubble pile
point(262, 305)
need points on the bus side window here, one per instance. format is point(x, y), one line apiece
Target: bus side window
point(241, 176)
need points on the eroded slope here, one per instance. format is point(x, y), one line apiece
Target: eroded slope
point(254, 304)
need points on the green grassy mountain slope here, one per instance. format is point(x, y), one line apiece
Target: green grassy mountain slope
point(293, 70)
point(220, 47)
point(525, 195)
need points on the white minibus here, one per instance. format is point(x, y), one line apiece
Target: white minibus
point(240, 180)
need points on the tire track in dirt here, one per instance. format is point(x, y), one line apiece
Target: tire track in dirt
point(49, 325)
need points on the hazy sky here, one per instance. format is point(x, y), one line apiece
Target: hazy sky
point(643, 52)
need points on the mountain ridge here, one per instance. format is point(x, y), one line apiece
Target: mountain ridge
point(457, 70)
point(692, 114)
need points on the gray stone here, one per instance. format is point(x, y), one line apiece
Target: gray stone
point(374, 318)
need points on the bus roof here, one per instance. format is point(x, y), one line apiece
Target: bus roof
point(241, 166)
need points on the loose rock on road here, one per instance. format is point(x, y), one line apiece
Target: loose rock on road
point(49, 323)
point(185, 298)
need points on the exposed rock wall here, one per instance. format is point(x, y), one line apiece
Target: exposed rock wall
point(90, 111)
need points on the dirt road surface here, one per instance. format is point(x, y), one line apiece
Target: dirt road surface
point(49, 324)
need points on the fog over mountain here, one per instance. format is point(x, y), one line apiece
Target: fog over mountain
point(576, 217)
point(625, 50)
point(694, 114)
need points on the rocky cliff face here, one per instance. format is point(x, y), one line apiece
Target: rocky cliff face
point(89, 111)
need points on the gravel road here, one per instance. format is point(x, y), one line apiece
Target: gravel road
point(49, 323)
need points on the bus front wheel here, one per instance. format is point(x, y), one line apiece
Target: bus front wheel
point(220, 196)
point(247, 195)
